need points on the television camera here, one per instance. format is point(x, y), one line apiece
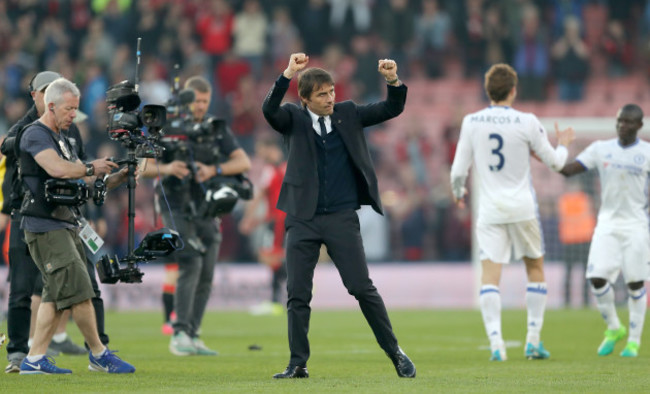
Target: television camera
point(74, 193)
point(190, 142)
point(156, 243)
point(125, 124)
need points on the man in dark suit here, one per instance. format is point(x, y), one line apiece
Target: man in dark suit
point(329, 175)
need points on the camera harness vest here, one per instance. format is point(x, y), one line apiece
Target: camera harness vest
point(220, 193)
point(34, 203)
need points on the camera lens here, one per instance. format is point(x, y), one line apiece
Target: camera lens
point(153, 115)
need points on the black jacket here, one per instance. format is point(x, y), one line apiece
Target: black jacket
point(12, 188)
point(299, 193)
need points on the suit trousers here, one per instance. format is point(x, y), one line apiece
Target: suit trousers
point(340, 232)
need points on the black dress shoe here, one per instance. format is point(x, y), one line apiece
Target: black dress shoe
point(403, 364)
point(293, 371)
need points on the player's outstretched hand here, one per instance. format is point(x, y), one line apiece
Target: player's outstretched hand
point(564, 137)
point(297, 61)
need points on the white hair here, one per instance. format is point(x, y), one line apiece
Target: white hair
point(55, 91)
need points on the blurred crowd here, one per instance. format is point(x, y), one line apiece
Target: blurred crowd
point(242, 45)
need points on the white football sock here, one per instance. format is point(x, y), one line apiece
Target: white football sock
point(35, 358)
point(605, 304)
point(536, 305)
point(490, 303)
point(637, 304)
point(58, 338)
point(100, 353)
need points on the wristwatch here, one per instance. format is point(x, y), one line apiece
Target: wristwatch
point(90, 169)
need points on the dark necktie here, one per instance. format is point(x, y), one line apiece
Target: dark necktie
point(323, 129)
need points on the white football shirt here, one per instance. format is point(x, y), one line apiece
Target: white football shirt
point(498, 141)
point(623, 175)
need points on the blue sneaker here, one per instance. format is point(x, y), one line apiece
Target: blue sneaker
point(109, 363)
point(536, 353)
point(44, 366)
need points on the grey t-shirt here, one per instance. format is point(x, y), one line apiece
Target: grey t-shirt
point(35, 139)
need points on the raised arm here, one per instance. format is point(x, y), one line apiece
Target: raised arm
point(541, 148)
point(382, 111)
point(278, 117)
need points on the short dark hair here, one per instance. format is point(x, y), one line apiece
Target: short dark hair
point(499, 81)
point(199, 84)
point(311, 79)
point(634, 110)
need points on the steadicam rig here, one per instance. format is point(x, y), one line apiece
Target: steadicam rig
point(125, 124)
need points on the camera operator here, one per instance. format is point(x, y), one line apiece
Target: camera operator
point(186, 167)
point(51, 231)
point(26, 283)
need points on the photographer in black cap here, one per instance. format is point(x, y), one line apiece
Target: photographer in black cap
point(26, 284)
point(202, 150)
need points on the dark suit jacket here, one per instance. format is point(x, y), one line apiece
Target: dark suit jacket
point(299, 193)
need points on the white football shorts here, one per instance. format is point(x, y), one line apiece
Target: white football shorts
point(497, 242)
point(615, 250)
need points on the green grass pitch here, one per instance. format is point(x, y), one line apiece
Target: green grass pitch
point(448, 347)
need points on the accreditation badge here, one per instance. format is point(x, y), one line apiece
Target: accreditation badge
point(65, 150)
point(90, 238)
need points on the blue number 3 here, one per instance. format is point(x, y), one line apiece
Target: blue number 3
point(497, 152)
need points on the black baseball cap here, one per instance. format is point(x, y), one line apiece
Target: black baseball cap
point(42, 79)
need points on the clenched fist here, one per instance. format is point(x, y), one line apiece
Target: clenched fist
point(297, 61)
point(388, 69)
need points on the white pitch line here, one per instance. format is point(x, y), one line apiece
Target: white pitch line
point(508, 344)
